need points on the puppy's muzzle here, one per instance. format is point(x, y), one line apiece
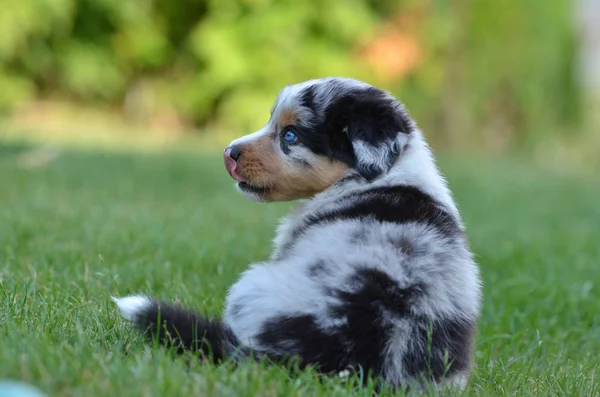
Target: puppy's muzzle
point(230, 157)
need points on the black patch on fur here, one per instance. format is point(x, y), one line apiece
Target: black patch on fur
point(178, 328)
point(317, 269)
point(406, 246)
point(236, 308)
point(378, 292)
point(411, 248)
point(360, 342)
point(377, 115)
point(307, 97)
point(299, 337)
point(336, 147)
point(394, 204)
point(367, 114)
point(432, 341)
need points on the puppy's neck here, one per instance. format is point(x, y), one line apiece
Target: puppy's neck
point(415, 166)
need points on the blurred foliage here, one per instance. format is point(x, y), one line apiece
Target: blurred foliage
point(496, 73)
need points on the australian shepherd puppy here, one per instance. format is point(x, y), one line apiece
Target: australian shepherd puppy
point(372, 271)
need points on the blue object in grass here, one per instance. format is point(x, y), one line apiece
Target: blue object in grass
point(11, 388)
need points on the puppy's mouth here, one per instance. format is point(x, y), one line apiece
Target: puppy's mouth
point(242, 182)
point(248, 187)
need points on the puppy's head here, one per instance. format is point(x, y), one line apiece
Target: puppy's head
point(319, 131)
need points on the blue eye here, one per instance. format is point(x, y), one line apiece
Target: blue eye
point(290, 137)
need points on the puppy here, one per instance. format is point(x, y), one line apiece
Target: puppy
point(372, 271)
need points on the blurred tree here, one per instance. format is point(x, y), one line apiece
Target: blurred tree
point(472, 72)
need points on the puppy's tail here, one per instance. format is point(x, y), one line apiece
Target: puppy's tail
point(183, 330)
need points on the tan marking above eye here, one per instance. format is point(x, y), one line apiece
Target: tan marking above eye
point(287, 117)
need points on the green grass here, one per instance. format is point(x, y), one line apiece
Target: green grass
point(90, 225)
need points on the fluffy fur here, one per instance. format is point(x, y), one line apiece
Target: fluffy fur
point(371, 272)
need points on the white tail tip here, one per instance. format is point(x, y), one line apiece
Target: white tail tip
point(131, 306)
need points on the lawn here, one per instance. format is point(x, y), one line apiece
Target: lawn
point(94, 224)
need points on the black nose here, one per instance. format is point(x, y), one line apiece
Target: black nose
point(234, 152)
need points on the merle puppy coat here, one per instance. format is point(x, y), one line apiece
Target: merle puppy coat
point(372, 270)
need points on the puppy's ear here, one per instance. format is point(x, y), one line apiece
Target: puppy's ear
point(377, 128)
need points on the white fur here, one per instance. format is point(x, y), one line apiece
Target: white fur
point(247, 139)
point(131, 306)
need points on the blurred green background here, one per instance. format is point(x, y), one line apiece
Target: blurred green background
point(476, 75)
point(507, 92)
